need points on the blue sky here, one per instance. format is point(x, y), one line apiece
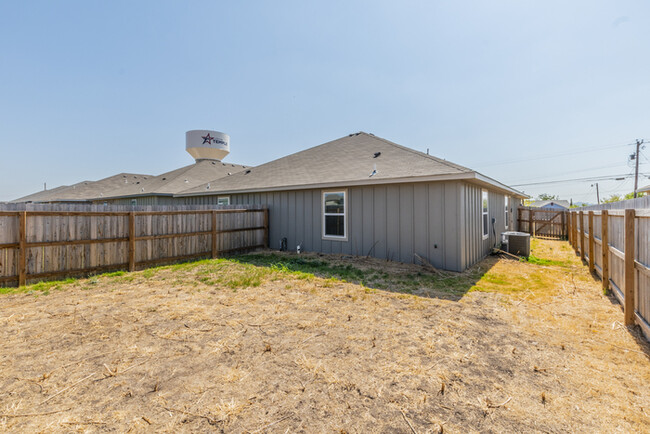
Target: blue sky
point(523, 91)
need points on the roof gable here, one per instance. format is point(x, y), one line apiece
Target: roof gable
point(357, 157)
point(180, 179)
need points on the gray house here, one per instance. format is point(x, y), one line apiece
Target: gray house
point(555, 205)
point(364, 195)
point(357, 195)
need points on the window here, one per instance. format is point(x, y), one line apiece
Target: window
point(334, 215)
point(507, 199)
point(484, 201)
point(223, 200)
point(134, 201)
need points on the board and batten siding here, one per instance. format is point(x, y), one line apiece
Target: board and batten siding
point(473, 246)
point(392, 222)
point(439, 221)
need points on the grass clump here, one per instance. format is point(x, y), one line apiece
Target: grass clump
point(41, 288)
point(542, 261)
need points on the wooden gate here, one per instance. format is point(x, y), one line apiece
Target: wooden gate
point(543, 223)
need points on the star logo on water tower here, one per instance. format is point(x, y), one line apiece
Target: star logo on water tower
point(207, 139)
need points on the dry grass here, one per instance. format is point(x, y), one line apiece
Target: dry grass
point(237, 347)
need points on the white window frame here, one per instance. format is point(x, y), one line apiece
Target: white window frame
point(507, 201)
point(485, 211)
point(219, 198)
point(344, 214)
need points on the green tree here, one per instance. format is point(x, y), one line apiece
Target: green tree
point(612, 198)
point(546, 196)
point(631, 195)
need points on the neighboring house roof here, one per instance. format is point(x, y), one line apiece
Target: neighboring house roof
point(178, 180)
point(645, 189)
point(547, 203)
point(357, 159)
point(85, 190)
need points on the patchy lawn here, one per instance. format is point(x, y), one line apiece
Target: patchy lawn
point(274, 342)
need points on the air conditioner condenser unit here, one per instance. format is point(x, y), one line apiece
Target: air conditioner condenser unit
point(517, 243)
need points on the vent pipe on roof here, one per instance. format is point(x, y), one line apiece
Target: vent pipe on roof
point(207, 144)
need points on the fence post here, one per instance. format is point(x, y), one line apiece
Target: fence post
point(628, 307)
point(576, 244)
point(132, 241)
point(592, 260)
point(214, 234)
point(22, 252)
point(604, 237)
point(266, 228)
point(582, 235)
point(569, 228)
point(530, 221)
point(564, 229)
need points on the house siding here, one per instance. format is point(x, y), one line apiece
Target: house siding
point(392, 222)
point(439, 221)
point(474, 247)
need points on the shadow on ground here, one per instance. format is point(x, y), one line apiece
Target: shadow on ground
point(375, 273)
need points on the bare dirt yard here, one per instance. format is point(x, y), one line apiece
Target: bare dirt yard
point(272, 342)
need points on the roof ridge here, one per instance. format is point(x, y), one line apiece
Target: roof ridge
point(422, 154)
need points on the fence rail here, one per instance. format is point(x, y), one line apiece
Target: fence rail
point(543, 223)
point(40, 243)
point(616, 246)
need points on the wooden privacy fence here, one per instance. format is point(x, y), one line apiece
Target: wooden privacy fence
point(615, 244)
point(543, 222)
point(43, 245)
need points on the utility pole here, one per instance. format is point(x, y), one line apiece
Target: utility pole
point(597, 192)
point(636, 171)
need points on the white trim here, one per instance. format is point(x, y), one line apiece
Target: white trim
point(485, 231)
point(345, 215)
point(470, 176)
point(506, 199)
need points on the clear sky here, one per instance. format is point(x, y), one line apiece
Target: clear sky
point(522, 91)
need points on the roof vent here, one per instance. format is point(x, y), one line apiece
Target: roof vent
point(248, 171)
point(377, 154)
point(374, 171)
point(207, 144)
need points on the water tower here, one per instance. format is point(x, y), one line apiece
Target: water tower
point(207, 144)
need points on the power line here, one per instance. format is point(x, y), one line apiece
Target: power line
point(609, 166)
point(544, 157)
point(596, 178)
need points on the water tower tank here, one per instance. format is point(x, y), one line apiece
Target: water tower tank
point(207, 144)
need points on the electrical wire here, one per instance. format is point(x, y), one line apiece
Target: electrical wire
point(544, 157)
point(609, 166)
point(597, 178)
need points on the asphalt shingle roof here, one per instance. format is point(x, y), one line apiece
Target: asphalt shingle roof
point(350, 158)
point(181, 179)
point(85, 190)
point(541, 203)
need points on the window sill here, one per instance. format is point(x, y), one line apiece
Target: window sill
point(333, 238)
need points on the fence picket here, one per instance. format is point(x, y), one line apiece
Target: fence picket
point(55, 240)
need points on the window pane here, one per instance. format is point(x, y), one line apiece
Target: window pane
point(334, 203)
point(485, 224)
point(485, 201)
point(335, 225)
